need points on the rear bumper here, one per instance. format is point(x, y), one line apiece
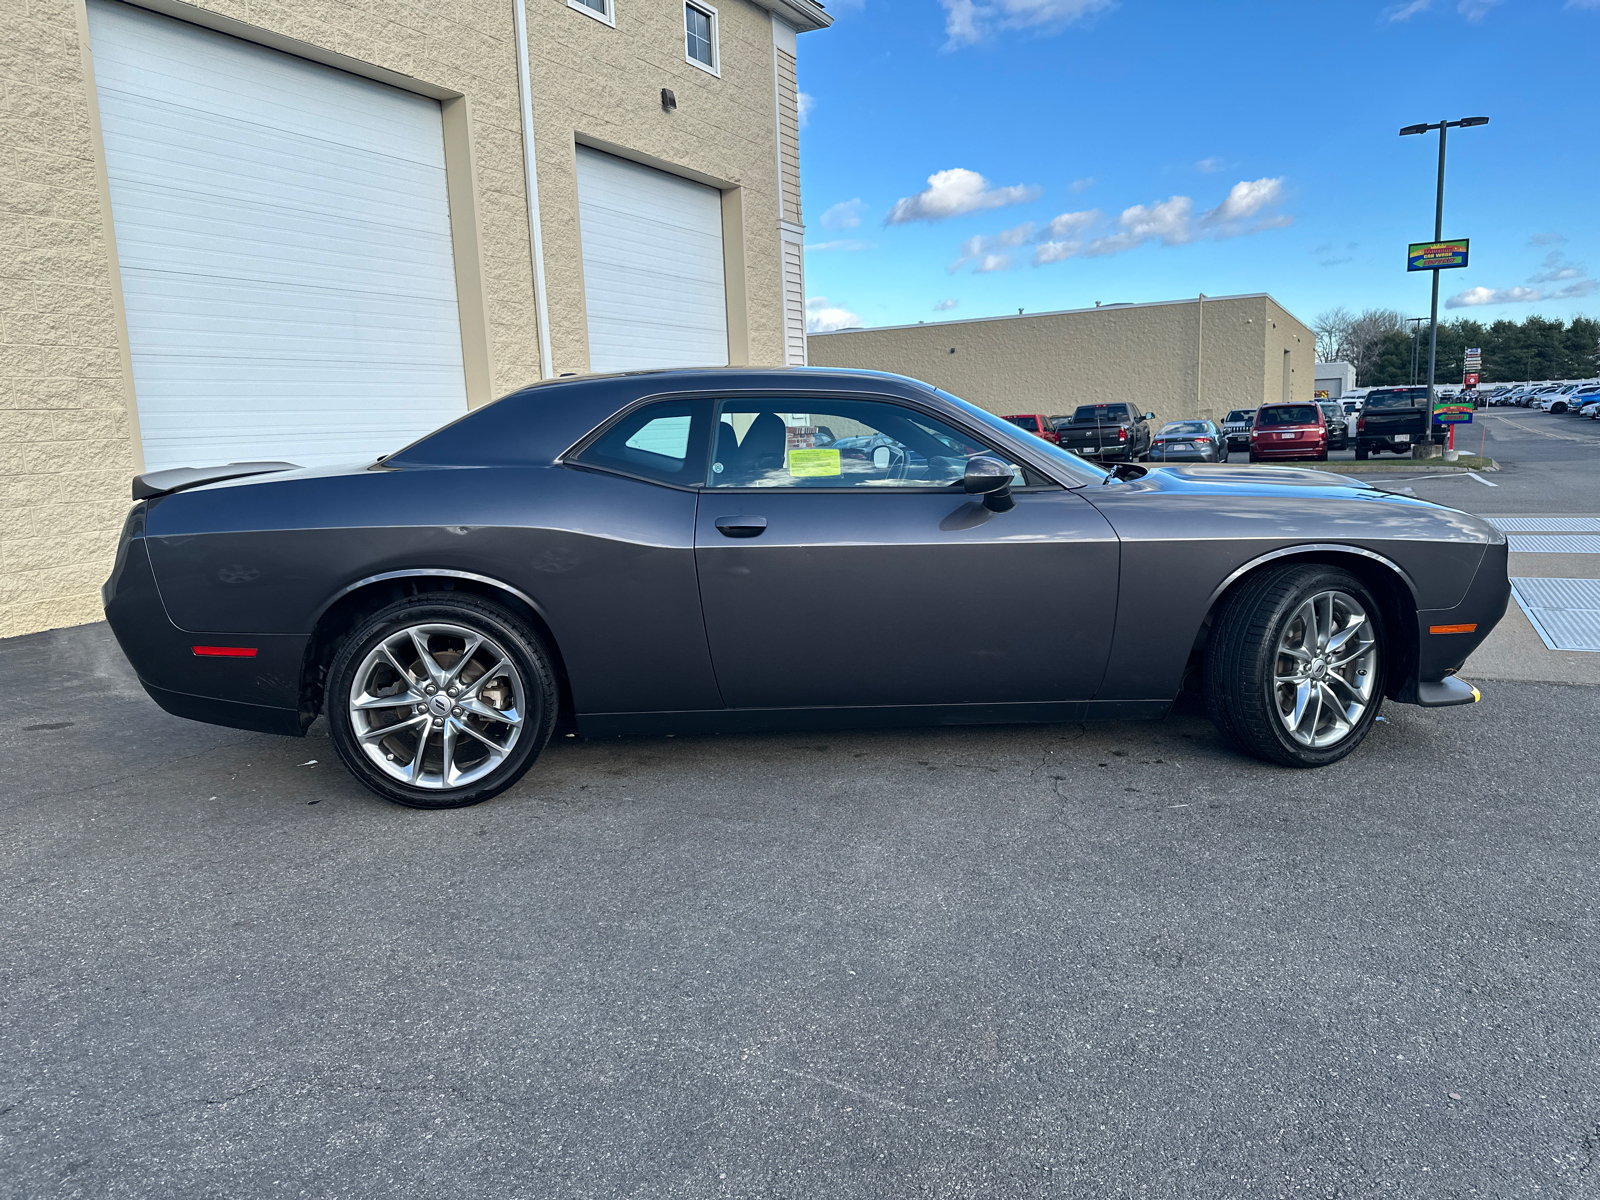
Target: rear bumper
point(1289, 450)
point(260, 693)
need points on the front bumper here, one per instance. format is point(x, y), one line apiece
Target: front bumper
point(1446, 637)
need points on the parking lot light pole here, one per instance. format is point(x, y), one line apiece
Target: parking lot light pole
point(1438, 235)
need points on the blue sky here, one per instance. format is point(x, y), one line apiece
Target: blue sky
point(1196, 147)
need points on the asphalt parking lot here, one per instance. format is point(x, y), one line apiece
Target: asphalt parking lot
point(1060, 961)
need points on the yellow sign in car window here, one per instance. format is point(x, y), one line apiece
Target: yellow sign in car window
point(803, 463)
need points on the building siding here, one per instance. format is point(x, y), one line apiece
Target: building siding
point(1176, 359)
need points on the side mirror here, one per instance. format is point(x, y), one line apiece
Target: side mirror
point(1149, 416)
point(990, 478)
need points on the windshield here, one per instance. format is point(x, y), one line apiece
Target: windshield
point(1398, 398)
point(1287, 414)
point(1184, 427)
point(1240, 414)
point(1074, 469)
point(1031, 424)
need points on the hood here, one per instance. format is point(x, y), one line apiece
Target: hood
point(1256, 480)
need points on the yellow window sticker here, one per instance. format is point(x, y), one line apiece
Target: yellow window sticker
point(813, 462)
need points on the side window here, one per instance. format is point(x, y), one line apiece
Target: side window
point(664, 442)
point(837, 444)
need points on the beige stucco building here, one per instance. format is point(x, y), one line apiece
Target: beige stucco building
point(302, 229)
point(1181, 358)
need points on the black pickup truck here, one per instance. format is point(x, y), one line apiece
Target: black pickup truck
point(1395, 418)
point(1106, 431)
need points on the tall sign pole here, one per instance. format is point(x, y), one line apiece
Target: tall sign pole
point(1438, 236)
point(1437, 255)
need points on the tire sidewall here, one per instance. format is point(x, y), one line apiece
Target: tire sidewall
point(519, 642)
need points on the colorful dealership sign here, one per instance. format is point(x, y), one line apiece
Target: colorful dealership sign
point(1437, 256)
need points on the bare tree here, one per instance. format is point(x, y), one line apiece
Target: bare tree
point(1365, 336)
point(1333, 331)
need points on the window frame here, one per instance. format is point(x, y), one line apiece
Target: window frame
point(977, 430)
point(572, 455)
point(710, 13)
point(609, 17)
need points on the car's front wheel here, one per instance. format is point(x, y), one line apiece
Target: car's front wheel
point(1294, 667)
point(441, 701)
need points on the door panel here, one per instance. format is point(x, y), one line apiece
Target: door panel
point(884, 598)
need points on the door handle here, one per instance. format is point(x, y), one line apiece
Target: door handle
point(741, 527)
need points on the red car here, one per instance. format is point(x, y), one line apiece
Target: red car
point(1289, 431)
point(1036, 423)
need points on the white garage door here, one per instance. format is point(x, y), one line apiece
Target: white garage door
point(284, 237)
point(652, 267)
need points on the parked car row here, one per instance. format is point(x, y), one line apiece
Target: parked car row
point(1115, 432)
point(1551, 397)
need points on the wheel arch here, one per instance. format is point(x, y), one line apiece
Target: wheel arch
point(1395, 590)
point(352, 604)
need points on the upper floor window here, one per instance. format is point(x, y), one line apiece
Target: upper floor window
point(600, 10)
point(700, 35)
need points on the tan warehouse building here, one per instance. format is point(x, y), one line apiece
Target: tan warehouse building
point(1182, 358)
point(312, 230)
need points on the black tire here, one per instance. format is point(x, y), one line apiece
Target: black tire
point(521, 645)
point(1323, 457)
point(1362, 454)
point(1242, 656)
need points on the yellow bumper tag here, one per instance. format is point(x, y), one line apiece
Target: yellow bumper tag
point(813, 462)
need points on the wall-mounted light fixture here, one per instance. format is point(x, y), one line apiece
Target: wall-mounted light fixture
point(668, 100)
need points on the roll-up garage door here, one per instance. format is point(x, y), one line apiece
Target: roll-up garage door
point(652, 266)
point(284, 237)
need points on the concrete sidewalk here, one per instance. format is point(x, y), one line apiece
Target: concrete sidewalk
point(1515, 651)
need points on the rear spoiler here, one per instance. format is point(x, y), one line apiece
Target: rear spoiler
point(160, 483)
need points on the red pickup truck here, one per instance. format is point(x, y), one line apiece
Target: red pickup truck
point(1035, 423)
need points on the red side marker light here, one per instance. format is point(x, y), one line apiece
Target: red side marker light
point(225, 651)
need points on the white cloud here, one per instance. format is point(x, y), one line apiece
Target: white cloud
point(842, 245)
point(1062, 238)
point(1080, 185)
point(945, 305)
point(1244, 200)
point(1473, 297)
point(1472, 10)
point(967, 22)
point(1557, 269)
point(954, 192)
point(1550, 239)
point(844, 215)
point(804, 103)
point(823, 316)
point(1406, 10)
point(1583, 3)
point(1208, 166)
point(1071, 223)
point(1171, 222)
point(980, 247)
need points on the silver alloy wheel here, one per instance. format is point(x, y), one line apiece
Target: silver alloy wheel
point(1325, 669)
point(437, 706)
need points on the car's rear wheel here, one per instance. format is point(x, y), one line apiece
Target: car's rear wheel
point(1362, 453)
point(1294, 669)
point(441, 701)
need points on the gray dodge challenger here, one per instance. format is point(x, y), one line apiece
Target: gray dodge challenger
point(740, 549)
